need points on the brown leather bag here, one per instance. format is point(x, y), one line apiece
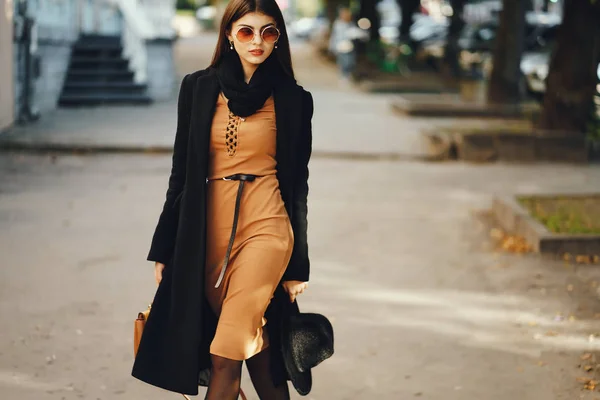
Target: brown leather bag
point(138, 329)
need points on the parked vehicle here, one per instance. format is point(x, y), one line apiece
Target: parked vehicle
point(306, 27)
point(424, 29)
point(206, 16)
point(535, 69)
point(477, 42)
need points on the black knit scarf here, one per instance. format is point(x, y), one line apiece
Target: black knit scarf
point(246, 98)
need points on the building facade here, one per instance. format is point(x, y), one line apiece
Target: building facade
point(47, 31)
point(6, 65)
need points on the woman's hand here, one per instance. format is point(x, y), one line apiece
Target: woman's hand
point(158, 271)
point(294, 288)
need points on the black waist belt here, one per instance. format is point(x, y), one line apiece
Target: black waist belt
point(242, 178)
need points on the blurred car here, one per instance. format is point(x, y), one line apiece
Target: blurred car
point(535, 70)
point(206, 16)
point(477, 41)
point(306, 27)
point(534, 67)
point(479, 11)
point(423, 29)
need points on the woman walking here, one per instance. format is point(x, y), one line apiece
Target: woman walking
point(230, 247)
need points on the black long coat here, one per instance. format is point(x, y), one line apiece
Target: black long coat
point(174, 349)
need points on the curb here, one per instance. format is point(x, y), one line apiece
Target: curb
point(406, 86)
point(501, 145)
point(61, 148)
point(416, 108)
point(80, 148)
point(514, 218)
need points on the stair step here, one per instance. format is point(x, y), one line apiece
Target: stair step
point(95, 46)
point(104, 71)
point(104, 85)
point(113, 88)
point(93, 36)
point(101, 62)
point(103, 98)
point(99, 76)
point(97, 52)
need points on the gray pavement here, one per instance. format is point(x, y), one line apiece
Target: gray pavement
point(421, 304)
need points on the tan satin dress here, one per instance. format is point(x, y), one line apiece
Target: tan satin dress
point(264, 238)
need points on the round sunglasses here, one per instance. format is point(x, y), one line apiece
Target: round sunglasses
point(246, 34)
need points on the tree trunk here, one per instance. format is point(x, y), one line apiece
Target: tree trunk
point(545, 5)
point(368, 9)
point(508, 48)
point(451, 51)
point(365, 67)
point(408, 8)
point(572, 76)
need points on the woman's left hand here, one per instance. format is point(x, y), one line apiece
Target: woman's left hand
point(294, 288)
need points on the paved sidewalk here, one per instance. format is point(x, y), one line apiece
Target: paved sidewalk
point(422, 308)
point(347, 123)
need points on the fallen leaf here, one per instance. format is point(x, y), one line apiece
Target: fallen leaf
point(496, 233)
point(591, 385)
point(510, 243)
point(582, 259)
point(588, 368)
point(586, 356)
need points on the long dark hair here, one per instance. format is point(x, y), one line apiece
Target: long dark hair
point(235, 10)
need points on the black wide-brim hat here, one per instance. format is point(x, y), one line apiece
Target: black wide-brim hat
point(306, 341)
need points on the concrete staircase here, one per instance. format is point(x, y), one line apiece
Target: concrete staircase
point(99, 74)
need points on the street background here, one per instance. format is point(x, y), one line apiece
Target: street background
point(422, 302)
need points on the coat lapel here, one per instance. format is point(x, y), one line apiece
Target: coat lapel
point(288, 116)
point(206, 92)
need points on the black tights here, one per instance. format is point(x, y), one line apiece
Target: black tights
point(225, 378)
point(226, 375)
point(260, 373)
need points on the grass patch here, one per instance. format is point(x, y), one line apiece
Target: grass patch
point(186, 13)
point(566, 214)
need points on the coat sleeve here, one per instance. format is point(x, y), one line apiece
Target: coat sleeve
point(299, 267)
point(163, 241)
